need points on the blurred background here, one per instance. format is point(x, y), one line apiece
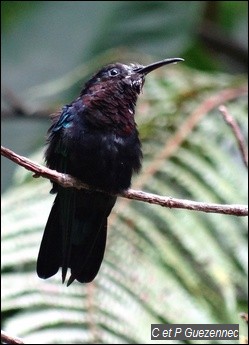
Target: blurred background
point(161, 266)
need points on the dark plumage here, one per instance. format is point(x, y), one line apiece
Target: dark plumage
point(96, 140)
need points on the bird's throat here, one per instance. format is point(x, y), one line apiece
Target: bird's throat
point(111, 110)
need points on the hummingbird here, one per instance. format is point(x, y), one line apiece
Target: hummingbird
point(95, 139)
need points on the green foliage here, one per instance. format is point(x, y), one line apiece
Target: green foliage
point(161, 265)
point(229, 14)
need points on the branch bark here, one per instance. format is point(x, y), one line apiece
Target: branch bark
point(237, 133)
point(68, 181)
point(10, 339)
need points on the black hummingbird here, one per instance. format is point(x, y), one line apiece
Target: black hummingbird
point(94, 139)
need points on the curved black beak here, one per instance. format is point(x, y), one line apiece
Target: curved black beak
point(149, 68)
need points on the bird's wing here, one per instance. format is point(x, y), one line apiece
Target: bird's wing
point(64, 120)
point(56, 243)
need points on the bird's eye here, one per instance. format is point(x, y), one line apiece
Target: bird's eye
point(113, 72)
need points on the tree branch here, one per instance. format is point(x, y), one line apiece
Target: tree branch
point(9, 339)
point(68, 181)
point(244, 316)
point(237, 133)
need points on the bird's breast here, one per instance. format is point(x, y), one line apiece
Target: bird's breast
point(106, 160)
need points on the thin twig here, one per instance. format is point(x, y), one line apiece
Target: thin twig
point(236, 210)
point(10, 339)
point(66, 180)
point(244, 316)
point(237, 133)
point(182, 133)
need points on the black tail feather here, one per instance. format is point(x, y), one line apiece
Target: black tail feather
point(75, 235)
point(50, 253)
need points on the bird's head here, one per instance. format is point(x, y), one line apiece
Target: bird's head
point(118, 77)
point(110, 96)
